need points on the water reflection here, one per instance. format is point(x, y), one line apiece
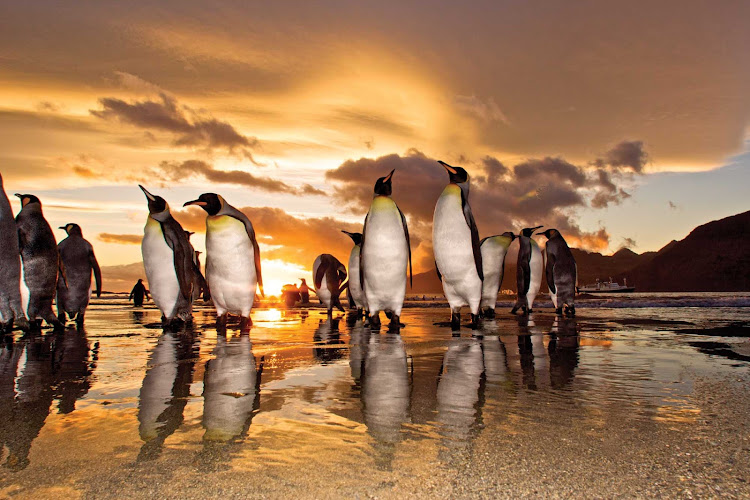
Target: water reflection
point(25, 403)
point(231, 389)
point(460, 393)
point(165, 391)
point(75, 362)
point(359, 338)
point(385, 394)
point(327, 334)
point(563, 351)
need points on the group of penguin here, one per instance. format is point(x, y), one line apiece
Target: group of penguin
point(36, 271)
point(470, 269)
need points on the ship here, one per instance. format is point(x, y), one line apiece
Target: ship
point(606, 287)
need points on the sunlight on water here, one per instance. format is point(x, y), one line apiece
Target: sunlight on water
point(319, 394)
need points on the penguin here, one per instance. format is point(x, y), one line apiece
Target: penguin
point(168, 260)
point(40, 262)
point(561, 272)
point(529, 271)
point(329, 276)
point(232, 260)
point(79, 261)
point(11, 309)
point(200, 287)
point(386, 250)
point(494, 249)
point(455, 239)
point(356, 294)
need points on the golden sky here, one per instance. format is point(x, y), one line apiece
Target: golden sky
point(566, 113)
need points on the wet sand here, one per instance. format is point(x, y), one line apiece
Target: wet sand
point(619, 402)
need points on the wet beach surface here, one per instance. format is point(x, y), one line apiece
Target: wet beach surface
point(635, 402)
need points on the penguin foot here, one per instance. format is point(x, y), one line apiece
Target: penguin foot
point(395, 325)
point(245, 323)
point(474, 321)
point(559, 311)
point(375, 322)
point(488, 312)
point(514, 310)
point(6, 327)
point(571, 310)
point(22, 323)
point(455, 321)
point(79, 321)
point(61, 317)
point(389, 315)
point(221, 324)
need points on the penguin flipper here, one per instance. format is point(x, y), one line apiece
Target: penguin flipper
point(175, 237)
point(97, 271)
point(440, 276)
point(549, 268)
point(408, 246)
point(475, 242)
point(320, 273)
point(236, 214)
point(362, 255)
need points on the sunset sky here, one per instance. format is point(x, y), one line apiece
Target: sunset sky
point(619, 123)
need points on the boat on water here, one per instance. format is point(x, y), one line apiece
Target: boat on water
point(606, 287)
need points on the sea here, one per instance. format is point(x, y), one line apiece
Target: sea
point(639, 394)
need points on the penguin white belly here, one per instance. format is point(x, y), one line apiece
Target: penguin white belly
point(25, 292)
point(385, 257)
point(493, 258)
point(230, 265)
point(537, 269)
point(454, 255)
point(355, 287)
point(324, 294)
point(158, 260)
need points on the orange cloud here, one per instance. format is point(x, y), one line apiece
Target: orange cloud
point(124, 239)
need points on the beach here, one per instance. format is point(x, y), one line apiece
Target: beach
point(641, 395)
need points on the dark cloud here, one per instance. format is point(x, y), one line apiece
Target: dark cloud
point(189, 127)
point(628, 243)
point(672, 205)
point(627, 154)
point(124, 239)
point(536, 191)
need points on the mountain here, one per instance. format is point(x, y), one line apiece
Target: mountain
point(122, 278)
point(714, 257)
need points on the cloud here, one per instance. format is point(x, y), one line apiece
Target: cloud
point(292, 239)
point(628, 243)
point(627, 154)
point(672, 205)
point(536, 191)
point(189, 127)
point(486, 110)
point(123, 239)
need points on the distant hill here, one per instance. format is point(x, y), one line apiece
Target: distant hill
point(713, 257)
point(122, 278)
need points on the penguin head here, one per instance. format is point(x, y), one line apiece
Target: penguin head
point(529, 231)
point(509, 234)
point(383, 186)
point(27, 199)
point(551, 233)
point(157, 206)
point(212, 203)
point(457, 175)
point(72, 228)
point(356, 237)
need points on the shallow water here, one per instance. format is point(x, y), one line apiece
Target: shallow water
point(327, 407)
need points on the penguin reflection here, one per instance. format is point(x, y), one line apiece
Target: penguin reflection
point(25, 404)
point(231, 390)
point(385, 394)
point(165, 391)
point(563, 351)
point(460, 392)
point(74, 367)
point(327, 334)
point(359, 338)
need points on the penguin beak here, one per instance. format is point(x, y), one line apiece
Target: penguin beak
point(346, 232)
point(388, 177)
point(150, 196)
point(63, 227)
point(538, 227)
point(195, 202)
point(18, 195)
point(447, 167)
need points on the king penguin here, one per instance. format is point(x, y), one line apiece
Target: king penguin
point(200, 287)
point(329, 276)
point(529, 270)
point(40, 262)
point(79, 261)
point(356, 293)
point(232, 260)
point(455, 239)
point(494, 249)
point(386, 251)
point(561, 272)
point(10, 268)
point(168, 260)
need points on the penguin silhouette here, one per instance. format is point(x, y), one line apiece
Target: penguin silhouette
point(529, 271)
point(79, 261)
point(11, 309)
point(561, 272)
